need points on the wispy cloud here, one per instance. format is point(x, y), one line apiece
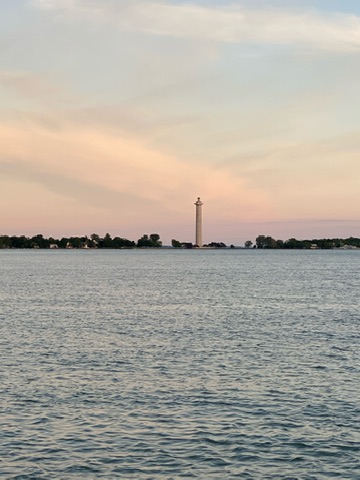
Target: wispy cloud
point(28, 84)
point(92, 162)
point(224, 24)
point(67, 186)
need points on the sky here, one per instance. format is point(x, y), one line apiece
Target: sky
point(117, 114)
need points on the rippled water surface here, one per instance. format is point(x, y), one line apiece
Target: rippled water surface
point(179, 364)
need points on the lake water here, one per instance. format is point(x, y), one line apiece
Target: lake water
point(179, 364)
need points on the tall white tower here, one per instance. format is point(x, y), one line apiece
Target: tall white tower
point(198, 232)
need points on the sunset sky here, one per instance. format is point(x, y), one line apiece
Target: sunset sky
point(117, 114)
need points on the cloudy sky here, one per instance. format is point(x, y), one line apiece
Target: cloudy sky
point(117, 114)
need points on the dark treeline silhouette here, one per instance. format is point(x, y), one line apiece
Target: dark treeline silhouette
point(94, 241)
point(216, 245)
point(263, 241)
point(177, 244)
point(153, 241)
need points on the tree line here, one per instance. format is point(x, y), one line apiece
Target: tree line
point(177, 244)
point(94, 241)
point(153, 241)
point(263, 241)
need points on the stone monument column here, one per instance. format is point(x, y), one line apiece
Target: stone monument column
point(198, 231)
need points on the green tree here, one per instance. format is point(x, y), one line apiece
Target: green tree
point(95, 237)
point(107, 242)
point(176, 243)
point(75, 242)
point(144, 241)
point(122, 243)
point(260, 241)
point(20, 242)
point(155, 239)
point(269, 242)
point(216, 245)
point(248, 243)
point(63, 242)
point(39, 241)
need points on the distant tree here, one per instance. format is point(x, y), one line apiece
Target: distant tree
point(151, 242)
point(20, 242)
point(39, 241)
point(176, 243)
point(128, 243)
point(122, 243)
point(144, 241)
point(290, 243)
point(107, 242)
point(248, 243)
point(5, 241)
point(74, 242)
point(325, 243)
point(265, 242)
point(216, 245)
point(355, 242)
point(95, 237)
point(155, 239)
point(338, 242)
point(260, 241)
point(269, 242)
point(91, 244)
point(63, 242)
point(293, 243)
